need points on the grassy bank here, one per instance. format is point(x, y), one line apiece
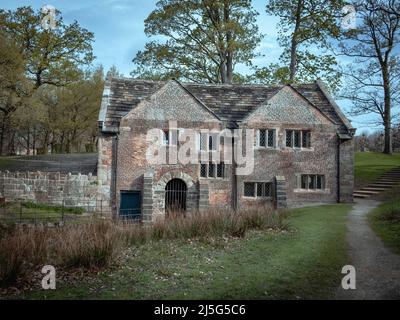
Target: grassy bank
point(370, 165)
point(385, 221)
point(299, 263)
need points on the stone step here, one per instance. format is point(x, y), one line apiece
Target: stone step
point(362, 196)
point(387, 180)
point(389, 177)
point(375, 189)
point(382, 185)
point(367, 192)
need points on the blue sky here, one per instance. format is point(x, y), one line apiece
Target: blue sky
point(119, 31)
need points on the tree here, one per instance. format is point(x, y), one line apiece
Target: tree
point(69, 113)
point(50, 55)
point(114, 72)
point(303, 24)
point(374, 76)
point(38, 60)
point(14, 88)
point(204, 40)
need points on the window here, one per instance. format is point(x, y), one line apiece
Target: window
point(266, 138)
point(212, 170)
point(306, 143)
point(220, 170)
point(312, 182)
point(166, 137)
point(289, 138)
point(203, 170)
point(212, 142)
point(249, 189)
point(203, 141)
point(297, 135)
point(298, 139)
point(258, 189)
point(208, 142)
point(170, 137)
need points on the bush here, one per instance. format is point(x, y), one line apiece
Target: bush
point(26, 248)
point(213, 223)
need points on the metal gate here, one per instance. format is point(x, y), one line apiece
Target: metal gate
point(175, 198)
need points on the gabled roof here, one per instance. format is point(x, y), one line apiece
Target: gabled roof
point(231, 103)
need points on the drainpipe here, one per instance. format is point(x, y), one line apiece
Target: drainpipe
point(338, 171)
point(234, 177)
point(115, 205)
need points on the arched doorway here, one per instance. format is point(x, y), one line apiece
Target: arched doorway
point(175, 198)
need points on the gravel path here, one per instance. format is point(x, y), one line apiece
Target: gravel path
point(377, 268)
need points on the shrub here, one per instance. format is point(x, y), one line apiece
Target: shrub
point(214, 223)
point(95, 243)
point(89, 245)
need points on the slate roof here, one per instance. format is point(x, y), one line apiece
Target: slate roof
point(231, 103)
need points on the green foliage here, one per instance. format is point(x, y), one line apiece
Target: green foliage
point(51, 56)
point(304, 25)
point(370, 165)
point(204, 40)
point(48, 208)
point(385, 221)
point(41, 71)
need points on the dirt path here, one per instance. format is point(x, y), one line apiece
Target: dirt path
point(377, 269)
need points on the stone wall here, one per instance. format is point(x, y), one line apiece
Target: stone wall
point(346, 170)
point(51, 188)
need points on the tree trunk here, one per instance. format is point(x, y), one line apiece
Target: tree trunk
point(388, 148)
point(28, 142)
point(229, 54)
point(294, 44)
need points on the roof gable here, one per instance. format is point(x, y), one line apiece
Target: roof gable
point(172, 102)
point(287, 106)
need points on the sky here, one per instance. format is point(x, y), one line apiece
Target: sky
point(118, 26)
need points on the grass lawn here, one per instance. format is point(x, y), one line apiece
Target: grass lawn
point(370, 165)
point(385, 221)
point(302, 263)
point(32, 211)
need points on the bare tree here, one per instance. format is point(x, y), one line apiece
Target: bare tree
point(374, 76)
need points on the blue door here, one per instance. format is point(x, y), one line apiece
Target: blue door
point(130, 206)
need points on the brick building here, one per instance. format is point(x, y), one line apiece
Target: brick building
point(300, 149)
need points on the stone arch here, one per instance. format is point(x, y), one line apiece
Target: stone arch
point(162, 182)
point(159, 192)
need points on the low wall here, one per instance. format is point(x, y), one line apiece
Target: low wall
point(51, 188)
